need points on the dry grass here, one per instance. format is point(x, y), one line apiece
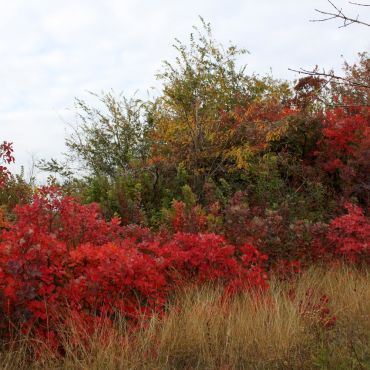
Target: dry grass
point(202, 331)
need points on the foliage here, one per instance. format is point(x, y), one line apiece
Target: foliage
point(357, 77)
point(6, 156)
point(61, 255)
point(197, 119)
point(350, 234)
point(105, 141)
point(344, 149)
point(222, 178)
point(296, 149)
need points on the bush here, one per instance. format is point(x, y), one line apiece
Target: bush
point(60, 255)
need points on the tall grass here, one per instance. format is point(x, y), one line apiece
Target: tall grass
point(202, 330)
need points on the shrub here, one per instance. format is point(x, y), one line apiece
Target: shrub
point(349, 234)
point(62, 256)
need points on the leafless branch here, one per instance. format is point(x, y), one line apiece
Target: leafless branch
point(358, 4)
point(332, 77)
point(337, 13)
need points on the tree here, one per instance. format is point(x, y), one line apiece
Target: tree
point(201, 91)
point(106, 141)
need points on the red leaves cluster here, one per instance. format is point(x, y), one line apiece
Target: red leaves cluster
point(343, 151)
point(209, 257)
point(62, 256)
point(64, 218)
point(350, 234)
point(6, 156)
point(187, 219)
point(317, 312)
point(344, 133)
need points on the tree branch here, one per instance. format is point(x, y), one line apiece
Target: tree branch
point(358, 4)
point(331, 76)
point(338, 14)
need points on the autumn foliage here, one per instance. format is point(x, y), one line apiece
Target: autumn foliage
point(60, 256)
point(350, 234)
point(223, 179)
point(6, 157)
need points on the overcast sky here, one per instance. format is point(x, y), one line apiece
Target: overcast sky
point(53, 51)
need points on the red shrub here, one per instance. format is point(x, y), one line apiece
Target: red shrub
point(52, 213)
point(209, 257)
point(317, 312)
point(187, 219)
point(113, 278)
point(61, 256)
point(343, 132)
point(344, 150)
point(350, 234)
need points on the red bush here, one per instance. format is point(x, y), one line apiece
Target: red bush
point(52, 213)
point(314, 308)
point(343, 133)
point(344, 150)
point(61, 256)
point(209, 257)
point(185, 218)
point(349, 234)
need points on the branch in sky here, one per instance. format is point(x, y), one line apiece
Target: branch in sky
point(337, 13)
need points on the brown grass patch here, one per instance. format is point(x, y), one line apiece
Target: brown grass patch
point(204, 331)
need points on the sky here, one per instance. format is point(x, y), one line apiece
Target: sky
point(54, 51)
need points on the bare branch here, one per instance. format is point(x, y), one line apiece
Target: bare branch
point(331, 76)
point(337, 13)
point(358, 4)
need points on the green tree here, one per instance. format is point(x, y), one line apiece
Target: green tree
point(108, 140)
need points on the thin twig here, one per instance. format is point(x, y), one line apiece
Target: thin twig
point(340, 15)
point(358, 4)
point(332, 76)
